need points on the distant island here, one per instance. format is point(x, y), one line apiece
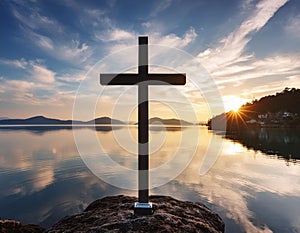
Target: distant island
point(105, 121)
point(156, 121)
point(159, 121)
point(41, 120)
point(279, 110)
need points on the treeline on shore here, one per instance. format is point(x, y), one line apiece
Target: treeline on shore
point(279, 110)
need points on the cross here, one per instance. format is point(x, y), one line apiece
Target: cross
point(143, 79)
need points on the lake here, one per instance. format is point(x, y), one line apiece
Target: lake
point(43, 177)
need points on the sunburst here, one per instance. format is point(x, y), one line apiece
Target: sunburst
point(239, 115)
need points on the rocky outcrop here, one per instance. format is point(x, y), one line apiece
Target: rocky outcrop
point(115, 214)
point(12, 226)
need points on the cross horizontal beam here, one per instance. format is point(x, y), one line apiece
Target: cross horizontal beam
point(135, 79)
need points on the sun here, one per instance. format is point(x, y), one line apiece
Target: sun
point(233, 103)
point(235, 108)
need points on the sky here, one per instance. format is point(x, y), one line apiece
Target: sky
point(249, 49)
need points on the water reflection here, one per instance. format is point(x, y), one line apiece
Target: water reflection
point(283, 143)
point(237, 178)
point(43, 178)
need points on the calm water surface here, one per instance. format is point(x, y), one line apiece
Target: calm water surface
point(253, 188)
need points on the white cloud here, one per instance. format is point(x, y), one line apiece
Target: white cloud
point(189, 36)
point(163, 5)
point(130, 41)
point(39, 86)
point(115, 34)
point(42, 74)
point(238, 71)
point(76, 50)
point(173, 40)
point(293, 26)
point(35, 93)
point(73, 52)
point(32, 18)
point(16, 90)
point(42, 41)
point(96, 17)
point(72, 78)
point(21, 63)
point(37, 71)
point(20, 85)
point(121, 38)
point(284, 65)
point(246, 5)
point(231, 48)
point(49, 35)
point(70, 50)
point(262, 90)
point(147, 25)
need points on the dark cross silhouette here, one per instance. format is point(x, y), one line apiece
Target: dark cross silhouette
point(143, 79)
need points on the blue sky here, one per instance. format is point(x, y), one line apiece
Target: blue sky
point(251, 48)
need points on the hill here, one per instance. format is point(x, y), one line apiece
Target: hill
point(36, 120)
point(279, 110)
point(286, 101)
point(158, 121)
point(175, 122)
point(105, 121)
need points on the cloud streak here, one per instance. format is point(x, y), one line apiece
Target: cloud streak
point(235, 70)
point(163, 5)
point(42, 74)
point(231, 48)
point(49, 35)
point(293, 26)
point(115, 34)
point(17, 63)
point(174, 40)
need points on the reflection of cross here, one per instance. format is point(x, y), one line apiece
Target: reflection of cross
point(143, 79)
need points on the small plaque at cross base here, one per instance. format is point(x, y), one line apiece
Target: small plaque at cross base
point(142, 79)
point(143, 208)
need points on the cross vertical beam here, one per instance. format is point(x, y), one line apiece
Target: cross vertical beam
point(143, 120)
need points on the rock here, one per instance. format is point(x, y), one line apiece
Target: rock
point(115, 214)
point(12, 226)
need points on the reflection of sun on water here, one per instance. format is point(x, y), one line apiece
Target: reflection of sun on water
point(233, 148)
point(54, 150)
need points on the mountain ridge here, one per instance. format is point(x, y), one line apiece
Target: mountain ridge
point(169, 121)
point(42, 120)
